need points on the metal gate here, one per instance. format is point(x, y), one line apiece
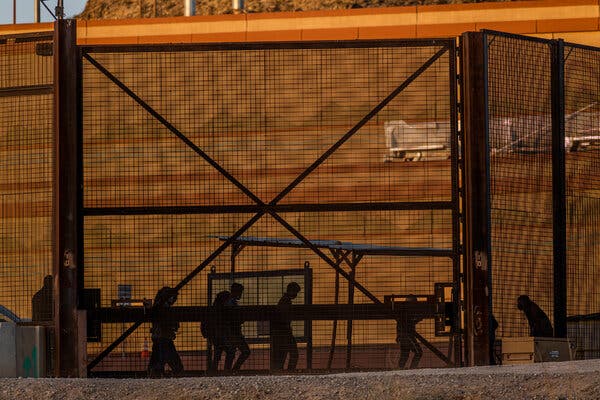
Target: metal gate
point(26, 202)
point(335, 165)
point(539, 109)
point(342, 156)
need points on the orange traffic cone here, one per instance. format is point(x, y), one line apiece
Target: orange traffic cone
point(145, 352)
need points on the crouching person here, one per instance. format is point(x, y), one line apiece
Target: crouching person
point(164, 331)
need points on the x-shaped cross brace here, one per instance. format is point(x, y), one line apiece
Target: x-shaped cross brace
point(265, 208)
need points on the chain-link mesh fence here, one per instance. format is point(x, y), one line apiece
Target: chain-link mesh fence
point(26, 196)
point(326, 164)
point(341, 152)
point(26, 143)
point(523, 221)
point(520, 173)
point(582, 138)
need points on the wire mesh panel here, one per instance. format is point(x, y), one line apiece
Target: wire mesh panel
point(520, 174)
point(582, 137)
point(245, 161)
point(26, 164)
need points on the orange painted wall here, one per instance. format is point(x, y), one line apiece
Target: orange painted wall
point(572, 20)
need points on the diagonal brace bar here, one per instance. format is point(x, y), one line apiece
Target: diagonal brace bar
point(251, 195)
point(434, 350)
point(359, 125)
point(341, 256)
point(174, 130)
point(334, 265)
point(214, 255)
point(183, 282)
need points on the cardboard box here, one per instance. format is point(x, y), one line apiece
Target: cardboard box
point(526, 350)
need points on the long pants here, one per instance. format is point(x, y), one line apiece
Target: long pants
point(409, 344)
point(219, 347)
point(283, 345)
point(237, 342)
point(164, 352)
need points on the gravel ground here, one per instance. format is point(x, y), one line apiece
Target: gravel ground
point(566, 380)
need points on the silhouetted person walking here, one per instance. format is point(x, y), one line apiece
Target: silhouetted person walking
point(283, 342)
point(215, 329)
point(164, 331)
point(406, 337)
point(235, 338)
point(539, 323)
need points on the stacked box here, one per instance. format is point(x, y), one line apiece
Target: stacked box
point(526, 350)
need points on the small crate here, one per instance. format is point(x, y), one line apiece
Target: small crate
point(527, 350)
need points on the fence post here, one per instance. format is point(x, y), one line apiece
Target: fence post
point(476, 207)
point(69, 324)
point(558, 190)
point(457, 168)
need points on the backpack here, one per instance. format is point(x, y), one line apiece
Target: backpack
point(208, 326)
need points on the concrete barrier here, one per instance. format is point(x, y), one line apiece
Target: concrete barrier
point(23, 350)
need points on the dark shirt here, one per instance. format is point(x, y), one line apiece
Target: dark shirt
point(42, 305)
point(407, 326)
point(162, 326)
point(232, 302)
point(233, 317)
point(282, 323)
point(215, 326)
point(164, 330)
point(539, 323)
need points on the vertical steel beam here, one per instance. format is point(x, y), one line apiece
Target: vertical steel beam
point(190, 8)
point(559, 190)
point(456, 340)
point(67, 261)
point(349, 322)
point(476, 194)
point(334, 322)
point(36, 11)
point(308, 322)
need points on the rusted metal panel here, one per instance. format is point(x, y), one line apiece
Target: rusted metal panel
point(67, 258)
point(477, 289)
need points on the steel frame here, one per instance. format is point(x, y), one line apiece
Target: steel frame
point(478, 262)
point(470, 169)
point(273, 207)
